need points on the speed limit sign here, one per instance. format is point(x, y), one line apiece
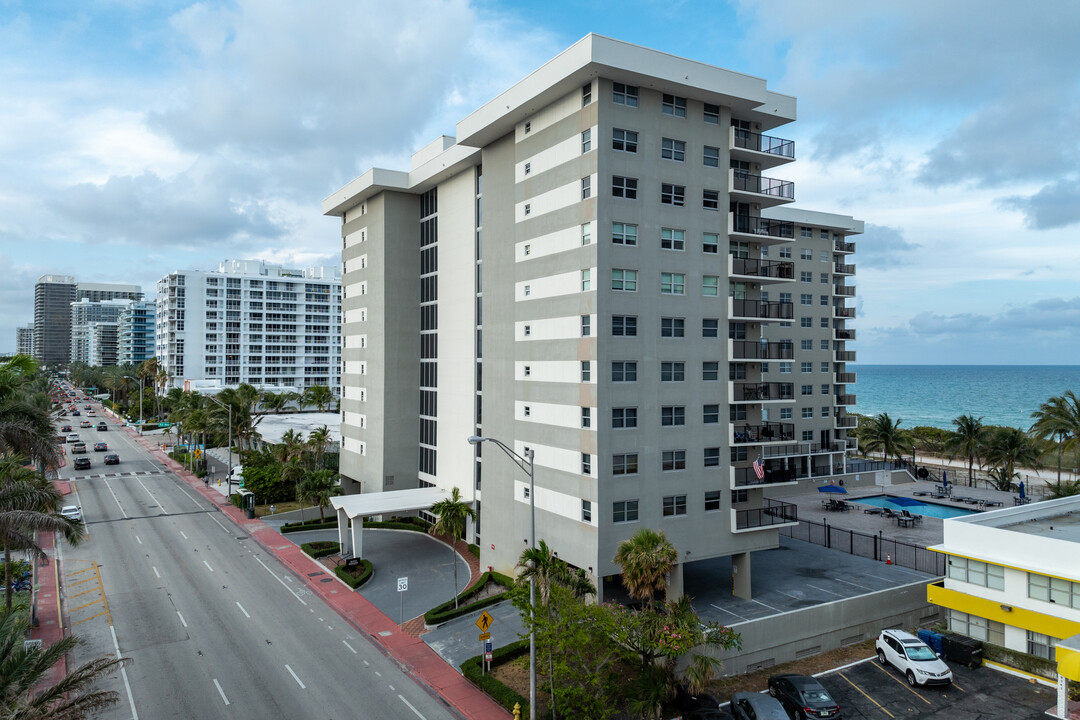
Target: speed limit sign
point(402, 584)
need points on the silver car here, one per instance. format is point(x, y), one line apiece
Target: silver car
point(71, 512)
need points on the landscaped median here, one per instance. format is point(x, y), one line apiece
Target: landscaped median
point(472, 669)
point(354, 576)
point(414, 524)
point(479, 589)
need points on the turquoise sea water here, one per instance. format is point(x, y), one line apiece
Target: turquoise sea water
point(927, 509)
point(935, 394)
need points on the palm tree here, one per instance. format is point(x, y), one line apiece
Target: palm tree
point(26, 428)
point(968, 440)
point(318, 487)
point(273, 402)
point(452, 512)
point(646, 558)
point(1059, 416)
point(1007, 448)
point(318, 441)
point(318, 395)
point(881, 433)
point(295, 398)
point(294, 472)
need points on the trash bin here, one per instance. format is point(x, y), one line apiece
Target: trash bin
point(933, 640)
point(961, 649)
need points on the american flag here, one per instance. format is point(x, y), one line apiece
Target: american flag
point(759, 469)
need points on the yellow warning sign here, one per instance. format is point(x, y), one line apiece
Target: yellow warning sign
point(484, 621)
point(197, 453)
point(485, 636)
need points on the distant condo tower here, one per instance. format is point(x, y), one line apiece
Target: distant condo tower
point(600, 269)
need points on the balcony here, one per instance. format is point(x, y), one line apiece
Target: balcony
point(851, 443)
point(843, 269)
point(843, 378)
point(800, 449)
point(765, 191)
point(755, 350)
point(843, 334)
point(765, 150)
point(844, 290)
point(762, 391)
point(845, 399)
point(761, 270)
point(765, 433)
point(760, 230)
point(845, 356)
point(755, 310)
point(843, 247)
point(746, 477)
point(845, 421)
point(773, 513)
point(843, 312)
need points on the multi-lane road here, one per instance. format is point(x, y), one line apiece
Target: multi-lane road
point(215, 626)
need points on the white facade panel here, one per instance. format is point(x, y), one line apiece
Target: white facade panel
point(554, 371)
point(568, 506)
point(552, 457)
point(556, 199)
point(550, 286)
point(548, 158)
point(560, 328)
point(550, 413)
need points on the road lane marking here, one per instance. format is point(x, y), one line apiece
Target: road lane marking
point(185, 536)
point(123, 674)
point(378, 673)
point(392, 688)
point(115, 498)
point(830, 592)
point(138, 540)
point(294, 677)
point(901, 683)
point(867, 696)
point(350, 647)
point(156, 572)
point(242, 609)
point(409, 704)
point(208, 566)
point(283, 584)
point(152, 495)
point(196, 502)
point(219, 523)
point(220, 691)
point(366, 663)
point(182, 620)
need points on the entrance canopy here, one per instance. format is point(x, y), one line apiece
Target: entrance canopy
point(358, 507)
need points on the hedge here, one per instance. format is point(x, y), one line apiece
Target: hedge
point(352, 580)
point(446, 611)
point(505, 696)
point(397, 525)
point(320, 548)
point(309, 525)
point(414, 524)
point(474, 549)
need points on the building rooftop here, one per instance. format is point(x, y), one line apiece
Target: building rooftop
point(1063, 526)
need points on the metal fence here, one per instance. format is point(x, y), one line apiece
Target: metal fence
point(875, 547)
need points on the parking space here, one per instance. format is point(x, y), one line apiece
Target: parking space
point(868, 690)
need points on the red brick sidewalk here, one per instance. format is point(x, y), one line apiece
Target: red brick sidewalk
point(50, 627)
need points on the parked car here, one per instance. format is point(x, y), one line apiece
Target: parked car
point(79, 447)
point(71, 512)
point(686, 700)
point(102, 426)
point(65, 428)
point(112, 459)
point(912, 657)
point(804, 697)
point(707, 714)
point(100, 447)
point(755, 706)
point(82, 463)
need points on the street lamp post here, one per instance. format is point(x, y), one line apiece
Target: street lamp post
point(140, 400)
point(228, 471)
point(526, 464)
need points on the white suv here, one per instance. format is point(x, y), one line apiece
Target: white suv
point(911, 656)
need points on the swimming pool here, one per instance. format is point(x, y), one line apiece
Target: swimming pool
point(927, 509)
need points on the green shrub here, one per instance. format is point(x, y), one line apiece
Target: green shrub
point(446, 611)
point(474, 549)
point(352, 580)
point(1021, 661)
point(320, 548)
point(315, 524)
point(500, 693)
point(396, 525)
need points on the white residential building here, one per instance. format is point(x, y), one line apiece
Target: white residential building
point(87, 313)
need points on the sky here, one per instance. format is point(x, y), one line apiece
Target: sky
point(138, 137)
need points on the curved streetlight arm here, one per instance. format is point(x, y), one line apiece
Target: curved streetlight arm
point(524, 463)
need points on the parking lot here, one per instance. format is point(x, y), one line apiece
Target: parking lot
point(868, 690)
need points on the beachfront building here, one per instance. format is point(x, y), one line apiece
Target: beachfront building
point(102, 344)
point(597, 273)
point(53, 295)
point(1013, 580)
point(253, 322)
point(86, 317)
point(135, 332)
point(24, 340)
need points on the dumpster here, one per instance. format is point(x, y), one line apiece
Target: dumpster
point(961, 649)
point(932, 640)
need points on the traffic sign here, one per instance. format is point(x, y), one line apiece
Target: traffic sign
point(485, 636)
point(198, 453)
point(484, 621)
point(402, 584)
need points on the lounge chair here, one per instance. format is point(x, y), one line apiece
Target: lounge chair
point(916, 519)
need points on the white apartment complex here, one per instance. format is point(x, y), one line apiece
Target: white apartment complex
point(24, 340)
point(135, 333)
point(598, 271)
point(90, 316)
point(250, 322)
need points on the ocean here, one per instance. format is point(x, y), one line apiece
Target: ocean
point(935, 394)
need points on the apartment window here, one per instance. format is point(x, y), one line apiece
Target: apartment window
point(738, 497)
point(712, 114)
point(710, 327)
point(586, 371)
point(586, 417)
point(825, 323)
point(624, 511)
point(528, 290)
point(1041, 645)
point(622, 371)
point(712, 457)
point(825, 366)
point(586, 140)
point(586, 511)
point(710, 199)
point(673, 460)
point(737, 413)
point(806, 344)
point(624, 325)
point(806, 322)
point(807, 435)
point(807, 413)
point(805, 276)
point(825, 389)
point(807, 389)
point(784, 252)
point(674, 505)
point(586, 188)
point(673, 194)
point(785, 368)
point(712, 156)
point(528, 168)
point(806, 233)
point(624, 187)
point(824, 344)
point(824, 278)
point(672, 149)
point(1055, 590)
point(710, 243)
point(824, 411)
point(528, 211)
point(527, 410)
point(824, 301)
point(672, 284)
point(528, 250)
point(586, 98)
point(622, 418)
point(672, 371)
point(623, 233)
point(806, 367)
point(624, 464)
point(710, 414)
point(672, 416)
point(672, 327)
point(586, 325)
point(785, 413)
point(586, 233)
point(806, 254)
point(586, 280)
point(527, 330)
point(806, 299)
point(672, 239)
point(738, 454)
point(528, 371)
point(586, 464)
point(674, 106)
point(710, 286)
point(824, 256)
point(737, 371)
point(528, 128)
point(710, 370)
point(712, 499)
point(976, 627)
point(624, 280)
point(622, 94)
point(624, 140)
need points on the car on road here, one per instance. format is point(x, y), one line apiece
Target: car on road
point(82, 463)
point(755, 706)
point(102, 426)
point(101, 447)
point(65, 428)
point(75, 412)
point(77, 448)
point(73, 437)
point(86, 407)
point(71, 512)
point(803, 697)
point(85, 424)
point(112, 459)
point(912, 657)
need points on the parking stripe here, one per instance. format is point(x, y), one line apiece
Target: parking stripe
point(901, 683)
point(866, 696)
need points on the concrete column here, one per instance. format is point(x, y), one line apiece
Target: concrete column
point(740, 575)
point(675, 582)
point(358, 536)
point(1062, 696)
point(343, 532)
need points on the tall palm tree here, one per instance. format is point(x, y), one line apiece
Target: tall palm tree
point(1059, 416)
point(453, 512)
point(318, 441)
point(1007, 448)
point(273, 402)
point(882, 433)
point(646, 558)
point(26, 428)
point(295, 473)
point(318, 395)
point(318, 487)
point(967, 440)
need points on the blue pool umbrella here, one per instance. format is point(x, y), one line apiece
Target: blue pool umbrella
point(1022, 488)
point(832, 489)
point(944, 477)
point(906, 502)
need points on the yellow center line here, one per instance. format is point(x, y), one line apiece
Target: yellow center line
point(867, 696)
point(901, 683)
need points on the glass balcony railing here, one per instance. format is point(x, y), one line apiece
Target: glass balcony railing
point(755, 391)
point(774, 512)
point(755, 267)
point(762, 226)
point(771, 310)
point(764, 433)
point(755, 350)
point(746, 140)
